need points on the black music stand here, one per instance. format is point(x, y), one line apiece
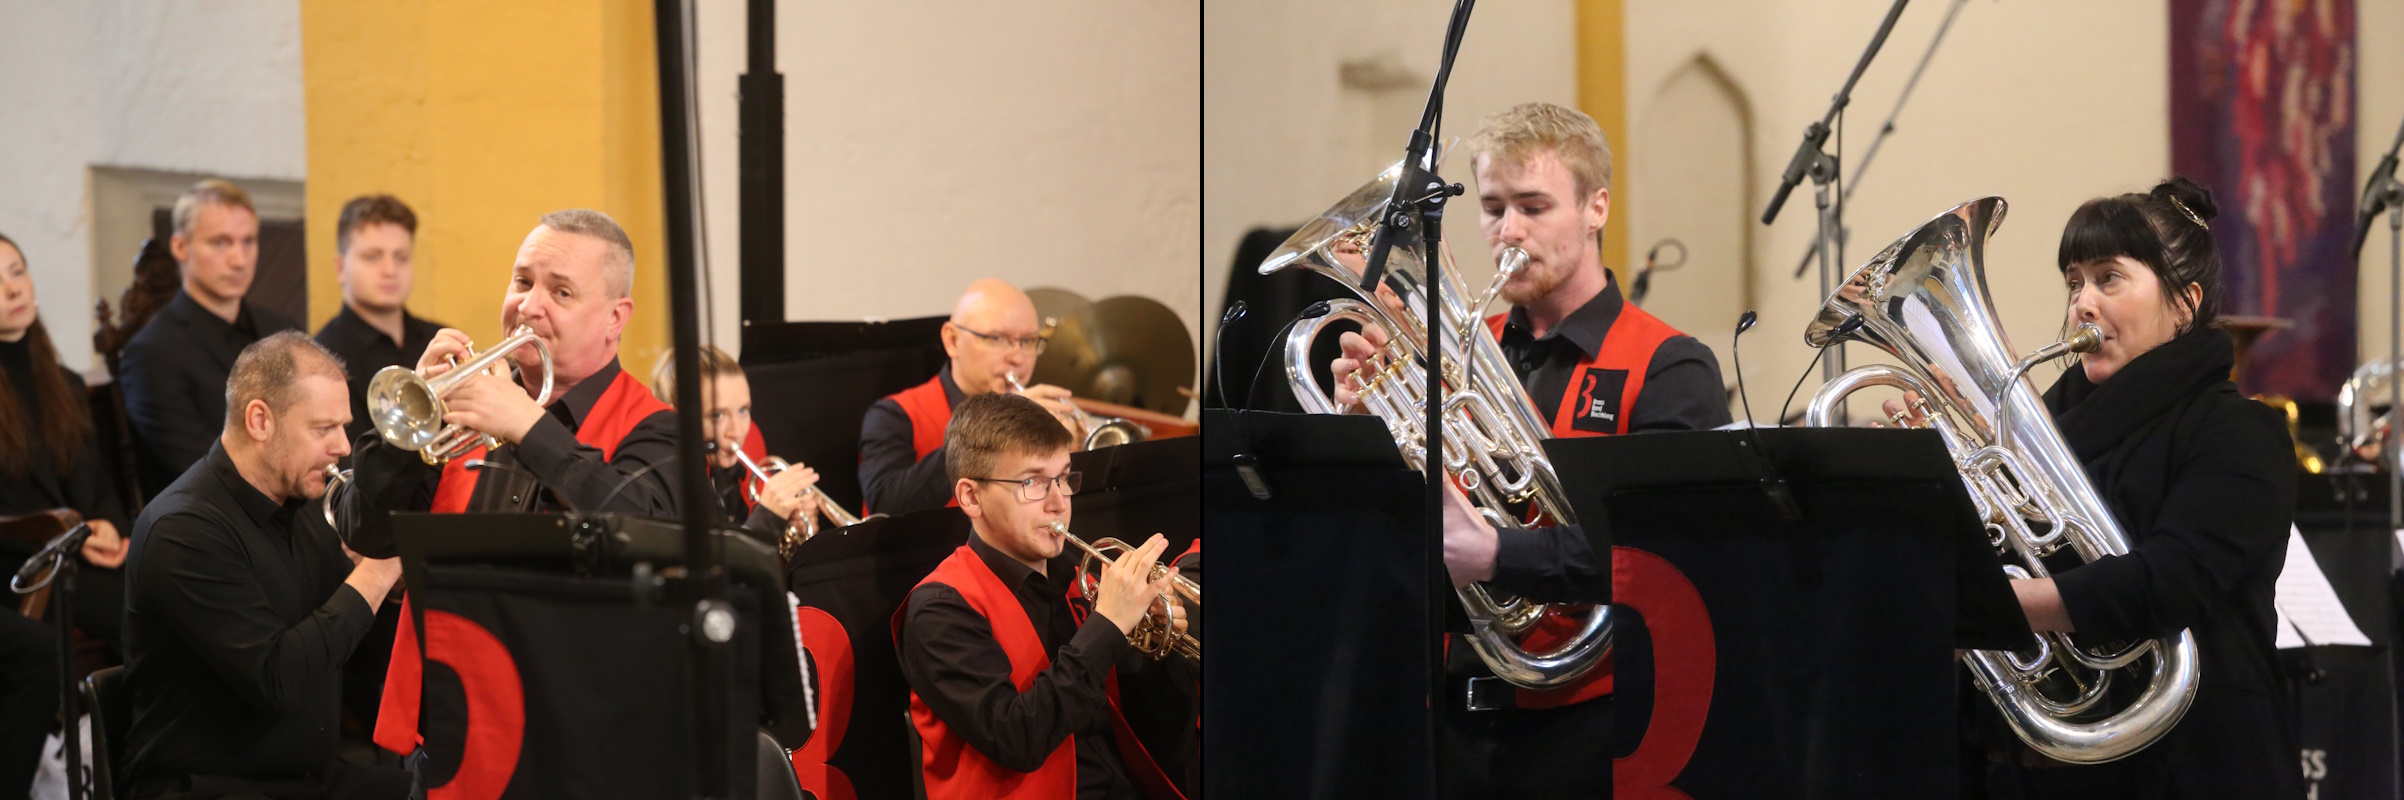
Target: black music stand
point(1317, 682)
point(1831, 630)
point(2346, 694)
point(812, 382)
point(582, 612)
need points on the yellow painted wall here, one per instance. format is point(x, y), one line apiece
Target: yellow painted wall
point(483, 117)
point(1603, 95)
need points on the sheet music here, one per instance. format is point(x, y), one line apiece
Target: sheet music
point(2307, 605)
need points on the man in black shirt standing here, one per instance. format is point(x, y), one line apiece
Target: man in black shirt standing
point(1008, 690)
point(1593, 365)
point(374, 245)
point(240, 610)
point(174, 368)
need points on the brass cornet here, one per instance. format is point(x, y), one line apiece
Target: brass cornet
point(337, 479)
point(1155, 635)
point(407, 407)
point(1100, 432)
point(826, 505)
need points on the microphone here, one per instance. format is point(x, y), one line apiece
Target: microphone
point(1218, 347)
point(59, 547)
point(1313, 311)
point(2374, 201)
point(1765, 470)
point(1850, 325)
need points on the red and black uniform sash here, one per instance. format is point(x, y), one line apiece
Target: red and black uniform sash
point(624, 405)
point(954, 769)
point(930, 411)
point(1626, 354)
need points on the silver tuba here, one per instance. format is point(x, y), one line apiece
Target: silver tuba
point(1492, 432)
point(1924, 300)
point(2358, 428)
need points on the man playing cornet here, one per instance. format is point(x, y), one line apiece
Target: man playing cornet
point(1010, 693)
point(587, 451)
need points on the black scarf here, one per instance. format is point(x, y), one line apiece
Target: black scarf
point(2096, 417)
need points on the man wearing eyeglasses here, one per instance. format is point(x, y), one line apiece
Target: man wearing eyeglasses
point(992, 338)
point(1012, 693)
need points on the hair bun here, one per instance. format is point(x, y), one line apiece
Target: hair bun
point(2190, 194)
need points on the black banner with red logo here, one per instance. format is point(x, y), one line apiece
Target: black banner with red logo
point(1764, 655)
point(546, 685)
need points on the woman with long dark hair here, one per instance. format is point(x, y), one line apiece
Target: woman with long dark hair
point(2203, 482)
point(49, 456)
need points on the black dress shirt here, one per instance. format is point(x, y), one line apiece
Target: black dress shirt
point(957, 667)
point(174, 371)
point(84, 486)
point(364, 350)
point(237, 626)
point(1682, 392)
point(758, 521)
point(893, 478)
point(549, 471)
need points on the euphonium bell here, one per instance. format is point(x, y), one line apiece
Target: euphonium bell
point(1924, 300)
point(1155, 635)
point(408, 409)
point(1492, 433)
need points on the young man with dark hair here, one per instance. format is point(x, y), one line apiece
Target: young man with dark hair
point(375, 246)
point(1010, 693)
point(241, 609)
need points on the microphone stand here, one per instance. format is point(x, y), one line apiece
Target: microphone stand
point(1418, 204)
point(2383, 194)
point(1885, 129)
point(1823, 170)
point(62, 552)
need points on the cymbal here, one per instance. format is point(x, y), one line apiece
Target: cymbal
point(1127, 350)
point(1054, 305)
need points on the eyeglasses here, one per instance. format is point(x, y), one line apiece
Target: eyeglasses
point(1033, 489)
point(1032, 344)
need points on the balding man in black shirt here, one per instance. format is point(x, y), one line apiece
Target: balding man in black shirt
point(241, 607)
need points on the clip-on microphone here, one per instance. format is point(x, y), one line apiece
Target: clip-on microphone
point(1764, 469)
point(1247, 465)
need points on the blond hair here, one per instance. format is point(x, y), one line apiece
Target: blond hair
point(1519, 133)
point(212, 191)
point(714, 363)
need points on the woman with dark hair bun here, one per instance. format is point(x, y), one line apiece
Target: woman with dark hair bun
point(2203, 482)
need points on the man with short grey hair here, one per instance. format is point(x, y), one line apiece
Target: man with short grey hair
point(241, 608)
point(174, 369)
point(599, 444)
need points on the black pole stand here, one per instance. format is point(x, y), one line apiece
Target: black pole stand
point(2381, 193)
point(1885, 129)
point(62, 551)
point(1814, 161)
point(712, 623)
point(763, 171)
point(1418, 202)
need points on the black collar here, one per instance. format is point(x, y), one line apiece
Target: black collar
point(951, 388)
point(355, 329)
point(578, 403)
point(265, 513)
point(1584, 327)
point(1014, 574)
point(188, 311)
point(2095, 417)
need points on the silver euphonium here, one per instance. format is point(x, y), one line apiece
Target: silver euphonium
point(1924, 300)
point(1492, 433)
point(2357, 427)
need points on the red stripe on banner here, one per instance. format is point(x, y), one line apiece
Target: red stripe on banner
point(829, 646)
point(1685, 661)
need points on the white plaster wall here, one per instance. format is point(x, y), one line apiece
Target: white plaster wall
point(208, 86)
point(2379, 107)
point(1284, 139)
point(928, 144)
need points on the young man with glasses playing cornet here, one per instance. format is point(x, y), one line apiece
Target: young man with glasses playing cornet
point(1011, 693)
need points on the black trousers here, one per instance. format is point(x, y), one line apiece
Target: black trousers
point(338, 781)
point(28, 698)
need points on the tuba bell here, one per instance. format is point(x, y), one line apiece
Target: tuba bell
point(1492, 432)
point(1924, 300)
point(407, 408)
